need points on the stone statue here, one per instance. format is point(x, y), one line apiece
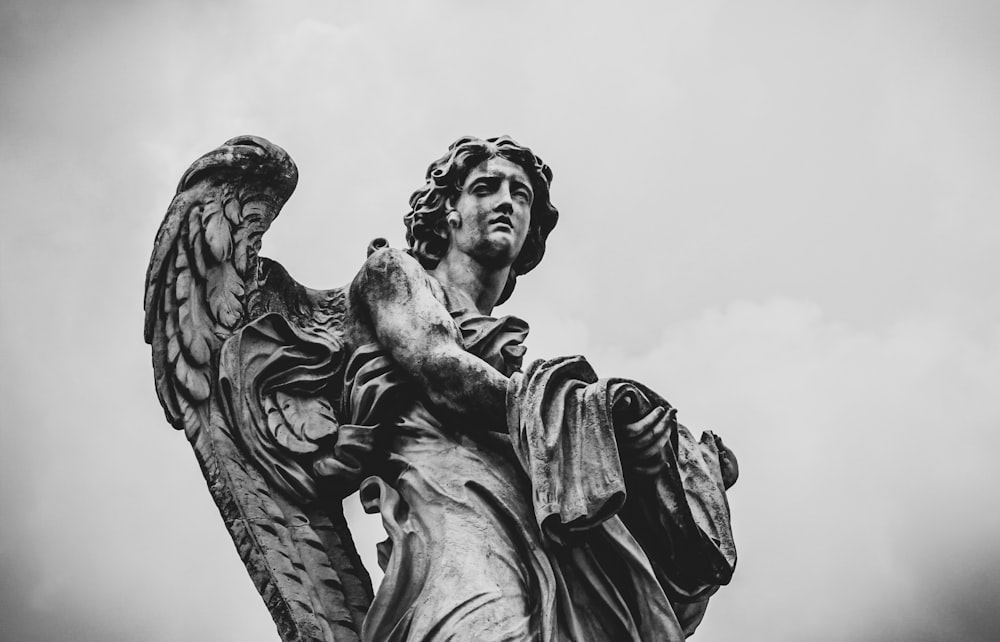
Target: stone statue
point(540, 503)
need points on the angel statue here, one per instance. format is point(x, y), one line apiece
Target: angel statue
point(521, 503)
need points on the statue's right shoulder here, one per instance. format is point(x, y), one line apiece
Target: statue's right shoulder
point(390, 274)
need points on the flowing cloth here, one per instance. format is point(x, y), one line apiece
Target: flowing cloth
point(560, 530)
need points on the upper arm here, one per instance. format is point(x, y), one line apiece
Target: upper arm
point(413, 325)
point(408, 319)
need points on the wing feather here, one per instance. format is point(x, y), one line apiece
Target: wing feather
point(225, 292)
point(241, 239)
point(196, 327)
point(218, 235)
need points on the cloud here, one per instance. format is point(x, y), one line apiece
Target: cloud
point(867, 460)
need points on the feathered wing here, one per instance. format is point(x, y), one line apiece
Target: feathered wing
point(246, 362)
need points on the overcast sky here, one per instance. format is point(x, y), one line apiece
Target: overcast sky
point(783, 216)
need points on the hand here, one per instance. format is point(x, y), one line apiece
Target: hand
point(727, 462)
point(642, 441)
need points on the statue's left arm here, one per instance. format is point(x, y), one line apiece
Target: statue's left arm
point(602, 448)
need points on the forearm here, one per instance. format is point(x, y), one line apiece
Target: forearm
point(464, 386)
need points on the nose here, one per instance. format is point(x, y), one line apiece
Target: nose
point(505, 202)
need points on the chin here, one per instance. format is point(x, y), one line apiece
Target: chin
point(496, 253)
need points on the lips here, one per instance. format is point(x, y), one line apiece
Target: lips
point(503, 219)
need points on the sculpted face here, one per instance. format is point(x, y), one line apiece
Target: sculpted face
point(492, 214)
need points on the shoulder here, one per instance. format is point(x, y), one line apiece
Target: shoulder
point(390, 273)
point(390, 261)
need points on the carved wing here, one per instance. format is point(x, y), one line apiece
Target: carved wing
point(248, 364)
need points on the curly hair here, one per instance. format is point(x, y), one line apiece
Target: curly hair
point(426, 231)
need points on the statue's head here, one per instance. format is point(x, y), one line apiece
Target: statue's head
point(427, 230)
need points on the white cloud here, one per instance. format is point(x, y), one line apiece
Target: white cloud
point(865, 456)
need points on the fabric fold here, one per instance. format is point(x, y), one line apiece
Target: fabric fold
point(595, 448)
point(562, 435)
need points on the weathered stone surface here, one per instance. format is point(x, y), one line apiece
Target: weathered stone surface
point(547, 504)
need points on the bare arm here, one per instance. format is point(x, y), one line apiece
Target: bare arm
point(419, 333)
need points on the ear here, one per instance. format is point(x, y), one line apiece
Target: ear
point(452, 217)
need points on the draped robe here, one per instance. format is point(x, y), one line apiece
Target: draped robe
point(554, 531)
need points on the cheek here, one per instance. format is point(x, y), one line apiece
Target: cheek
point(524, 214)
point(482, 214)
point(524, 227)
point(471, 215)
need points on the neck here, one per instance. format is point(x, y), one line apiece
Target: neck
point(483, 285)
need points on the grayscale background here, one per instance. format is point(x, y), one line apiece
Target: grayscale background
point(781, 215)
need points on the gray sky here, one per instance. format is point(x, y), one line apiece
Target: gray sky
point(783, 216)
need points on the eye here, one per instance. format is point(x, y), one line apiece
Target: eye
point(523, 194)
point(482, 187)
